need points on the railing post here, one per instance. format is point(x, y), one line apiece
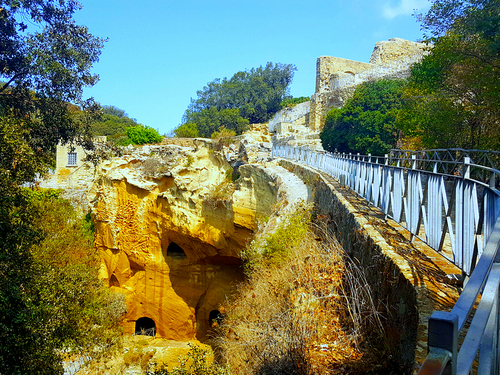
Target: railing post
point(468, 230)
point(467, 162)
point(443, 334)
point(412, 199)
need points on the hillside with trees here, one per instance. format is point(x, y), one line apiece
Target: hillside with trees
point(121, 130)
point(248, 97)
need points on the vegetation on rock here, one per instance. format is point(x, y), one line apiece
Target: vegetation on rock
point(221, 194)
point(251, 96)
point(292, 102)
point(198, 361)
point(305, 308)
point(367, 122)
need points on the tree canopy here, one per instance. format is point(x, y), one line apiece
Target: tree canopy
point(367, 122)
point(45, 62)
point(114, 111)
point(251, 96)
point(113, 127)
point(57, 301)
point(453, 97)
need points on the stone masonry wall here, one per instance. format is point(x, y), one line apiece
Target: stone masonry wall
point(336, 78)
point(288, 117)
point(407, 279)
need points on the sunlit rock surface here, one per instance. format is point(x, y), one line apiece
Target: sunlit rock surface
point(166, 243)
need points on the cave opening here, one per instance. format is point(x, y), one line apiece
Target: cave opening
point(175, 251)
point(215, 318)
point(113, 281)
point(145, 326)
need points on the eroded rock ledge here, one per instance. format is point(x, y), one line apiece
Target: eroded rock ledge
point(166, 243)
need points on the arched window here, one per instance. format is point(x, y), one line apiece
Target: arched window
point(175, 251)
point(145, 326)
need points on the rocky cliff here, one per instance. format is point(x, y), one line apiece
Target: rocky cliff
point(169, 239)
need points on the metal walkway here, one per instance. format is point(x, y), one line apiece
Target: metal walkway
point(452, 204)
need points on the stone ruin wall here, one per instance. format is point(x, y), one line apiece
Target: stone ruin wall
point(336, 78)
point(287, 118)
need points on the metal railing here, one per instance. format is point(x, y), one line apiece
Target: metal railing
point(441, 201)
point(145, 332)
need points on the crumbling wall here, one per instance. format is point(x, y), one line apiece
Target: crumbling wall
point(287, 118)
point(336, 78)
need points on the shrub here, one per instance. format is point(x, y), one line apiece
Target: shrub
point(141, 134)
point(196, 362)
point(189, 161)
point(223, 133)
point(188, 130)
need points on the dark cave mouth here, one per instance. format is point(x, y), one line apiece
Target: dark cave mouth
point(145, 326)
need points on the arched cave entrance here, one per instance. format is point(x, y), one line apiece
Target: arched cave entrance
point(215, 318)
point(145, 326)
point(175, 251)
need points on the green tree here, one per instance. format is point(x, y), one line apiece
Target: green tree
point(141, 134)
point(211, 119)
point(64, 301)
point(253, 96)
point(113, 127)
point(42, 69)
point(188, 130)
point(367, 122)
point(114, 111)
point(453, 98)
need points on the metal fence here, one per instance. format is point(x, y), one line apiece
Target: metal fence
point(146, 332)
point(452, 204)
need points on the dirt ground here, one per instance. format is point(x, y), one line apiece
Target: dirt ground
point(137, 353)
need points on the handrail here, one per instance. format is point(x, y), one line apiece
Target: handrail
point(450, 209)
point(453, 213)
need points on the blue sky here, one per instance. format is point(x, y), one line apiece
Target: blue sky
point(160, 52)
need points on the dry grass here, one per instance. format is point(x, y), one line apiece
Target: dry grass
point(220, 195)
point(304, 315)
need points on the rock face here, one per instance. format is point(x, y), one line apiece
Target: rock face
point(166, 242)
point(336, 78)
